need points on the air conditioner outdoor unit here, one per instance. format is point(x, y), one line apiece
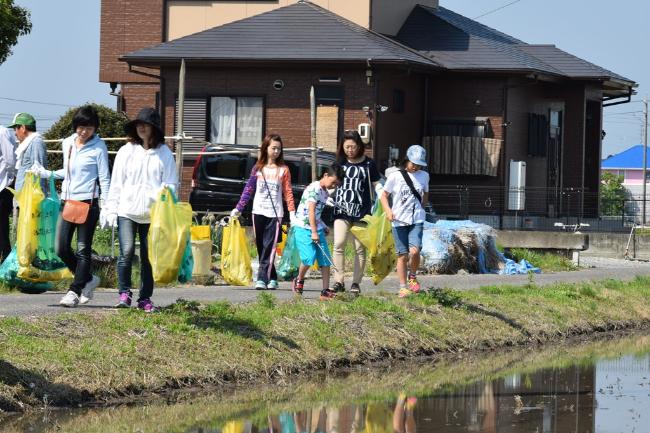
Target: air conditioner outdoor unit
point(517, 186)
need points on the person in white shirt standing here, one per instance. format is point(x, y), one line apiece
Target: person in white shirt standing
point(142, 167)
point(268, 185)
point(409, 188)
point(7, 175)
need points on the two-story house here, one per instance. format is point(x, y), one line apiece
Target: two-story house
point(413, 70)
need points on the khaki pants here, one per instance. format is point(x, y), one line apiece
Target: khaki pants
point(341, 233)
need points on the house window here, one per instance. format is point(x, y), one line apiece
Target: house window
point(398, 101)
point(461, 128)
point(538, 134)
point(236, 120)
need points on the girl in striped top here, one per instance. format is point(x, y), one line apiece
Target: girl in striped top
point(269, 184)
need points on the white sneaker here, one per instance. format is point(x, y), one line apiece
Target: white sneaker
point(88, 291)
point(70, 299)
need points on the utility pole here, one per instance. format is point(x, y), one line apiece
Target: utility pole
point(180, 122)
point(314, 150)
point(645, 155)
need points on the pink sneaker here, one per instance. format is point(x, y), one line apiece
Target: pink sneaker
point(146, 305)
point(125, 300)
point(413, 284)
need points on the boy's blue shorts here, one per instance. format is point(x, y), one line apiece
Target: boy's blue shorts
point(309, 251)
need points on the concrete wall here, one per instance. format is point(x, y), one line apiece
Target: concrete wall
point(614, 244)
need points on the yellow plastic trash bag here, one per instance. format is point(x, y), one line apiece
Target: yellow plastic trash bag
point(169, 234)
point(377, 237)
point(36, 233)
point(235, 255)
point(29, 200)
point(200, 233)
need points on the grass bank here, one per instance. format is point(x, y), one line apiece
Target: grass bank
point(183, 412)
point(76, 359)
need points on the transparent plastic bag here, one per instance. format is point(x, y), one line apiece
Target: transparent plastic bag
point(169, 235)
point(236, 266)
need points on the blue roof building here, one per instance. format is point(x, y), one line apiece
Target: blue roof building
point(629, 159)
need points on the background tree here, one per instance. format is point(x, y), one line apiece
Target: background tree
point(111, 125)
point(14, 22)
point(612, 194)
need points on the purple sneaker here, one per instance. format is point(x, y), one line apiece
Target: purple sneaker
point(146, 305)
point(125, 300)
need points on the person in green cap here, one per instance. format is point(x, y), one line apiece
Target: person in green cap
point(31, 147)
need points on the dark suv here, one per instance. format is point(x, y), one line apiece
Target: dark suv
point(219, 179)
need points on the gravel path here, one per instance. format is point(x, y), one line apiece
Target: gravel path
point(18, 304)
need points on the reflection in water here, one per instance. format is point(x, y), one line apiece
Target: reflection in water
point(599, 389)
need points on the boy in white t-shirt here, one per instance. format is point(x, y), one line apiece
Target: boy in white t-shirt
point(310, 230)
point(409, 188)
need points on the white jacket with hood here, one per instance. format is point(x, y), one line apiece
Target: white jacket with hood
point(138, 176)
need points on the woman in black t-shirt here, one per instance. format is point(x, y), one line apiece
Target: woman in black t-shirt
point(352, 201)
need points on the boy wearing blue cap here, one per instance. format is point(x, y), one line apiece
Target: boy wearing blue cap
point(409, 187)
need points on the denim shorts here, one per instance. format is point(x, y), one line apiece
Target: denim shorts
point(309, 251)
point(407, 237)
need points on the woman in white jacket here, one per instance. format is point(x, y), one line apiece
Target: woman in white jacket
point(142, 167)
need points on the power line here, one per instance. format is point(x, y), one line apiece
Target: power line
point(36, 102)
point(624, 112)
point(497, 9)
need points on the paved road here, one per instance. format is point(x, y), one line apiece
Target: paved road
point(18, 304)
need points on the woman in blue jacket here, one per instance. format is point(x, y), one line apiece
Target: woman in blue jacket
point(86, 178)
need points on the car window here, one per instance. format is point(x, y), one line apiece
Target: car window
point(294, 169)
point(232, 166)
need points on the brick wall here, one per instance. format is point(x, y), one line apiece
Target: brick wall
point(286, 112)
point(399, 129)
point(137, 96)
point(127, 25)
point(456, 97)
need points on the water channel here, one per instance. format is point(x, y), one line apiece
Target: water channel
point(600, 386)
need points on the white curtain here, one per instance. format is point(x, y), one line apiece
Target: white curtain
point(222, 119)
point(249, 121)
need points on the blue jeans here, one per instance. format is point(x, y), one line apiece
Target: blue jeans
point(78, 263)
point(126, 231)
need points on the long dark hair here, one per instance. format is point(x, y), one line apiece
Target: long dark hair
point(157, 137)
point(264, 151)
point(353, 135)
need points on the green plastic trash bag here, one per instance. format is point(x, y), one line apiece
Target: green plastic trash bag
point(290, 260)
point(187, 265)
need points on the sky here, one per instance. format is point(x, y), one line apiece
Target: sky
point(58, 62)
